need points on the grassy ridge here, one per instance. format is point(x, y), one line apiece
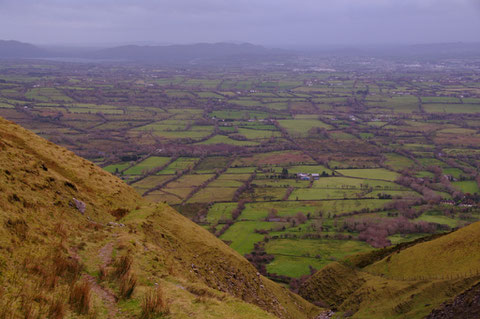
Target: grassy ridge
point(406, 281)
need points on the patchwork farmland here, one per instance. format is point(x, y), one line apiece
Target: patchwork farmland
point(293, 169)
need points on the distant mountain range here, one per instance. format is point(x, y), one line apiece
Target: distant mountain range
point(171, 54)
point(15, 49)
point(229, 53)
point(201, 52)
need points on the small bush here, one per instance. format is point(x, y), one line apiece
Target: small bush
point(80, 295)
point(154, 303)
point(119, 213)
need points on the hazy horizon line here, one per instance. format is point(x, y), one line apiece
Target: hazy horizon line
point(267, 45)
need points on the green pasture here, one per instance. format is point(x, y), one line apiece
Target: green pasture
point(149, 182)
point(222, 139)
point(452, 108)
point(301, 127)
point(178, 165)
point(242, 235)
point(147, 164)
point(294, 256)
point(214, 194)
point(120, 166)
point(370, 173)
point(278, 158)
point(467, 186)
point(210, 164)
point(309, 169)
point(323, 193)
point(398, 162)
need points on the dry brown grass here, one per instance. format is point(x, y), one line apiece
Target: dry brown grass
point(124, 275)
point(7, 313)
point(80, 297)
point(154, 304)
point(204, 293)
point(18, 227)
point(30, 311)
point(127, 284)
point(57, 310)
point(66, 266)
point(102, 273)
point(61, 230)
point(123, 265)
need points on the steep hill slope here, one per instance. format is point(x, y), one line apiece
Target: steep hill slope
point(408, 281)
point(77, 242)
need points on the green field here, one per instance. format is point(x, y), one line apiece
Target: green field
point(299, 126)
point(148, 164)
point(221, 139)
point(467, 186)
point(114, 167)
point(398, 162)
point(376, 173)
point(179, 165)
point(242, 235)
point(293, 257)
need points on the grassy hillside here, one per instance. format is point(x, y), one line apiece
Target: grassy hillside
point(457, 254)
point(76, 242)
point(408, 281)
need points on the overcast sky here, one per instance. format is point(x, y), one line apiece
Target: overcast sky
point(268, 22)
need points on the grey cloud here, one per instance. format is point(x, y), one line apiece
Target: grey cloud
point(304, 22)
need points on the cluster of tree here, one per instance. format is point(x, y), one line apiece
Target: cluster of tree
point(238, 137)
point(259, 258)
point(229, 222)
point(298, 219)
point(289, 192)
point(318, 132)
point(375, 231)
point(246, 186)
point(420, 186)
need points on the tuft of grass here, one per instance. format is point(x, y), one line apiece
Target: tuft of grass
point(123, 266)
point(66, 266)
point(29, 311)
point(154, 304)
point(80, 297)
point(102, 273)
point(127, 283)
point(17, 226)
point(61, 230)
point(57, 310)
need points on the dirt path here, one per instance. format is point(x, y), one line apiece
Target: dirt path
point(108, 297)
point(105, 254)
